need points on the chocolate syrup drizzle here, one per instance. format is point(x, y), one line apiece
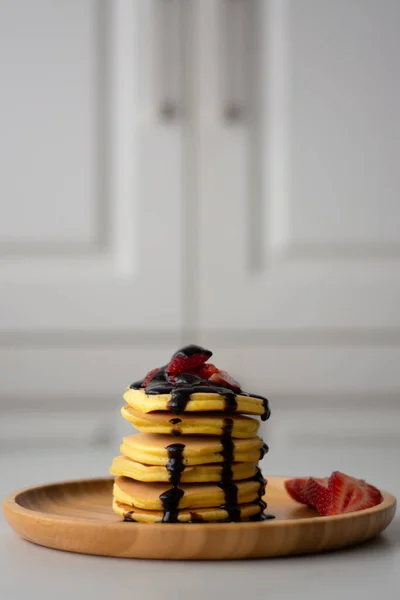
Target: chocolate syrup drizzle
point(175, 465)
point(175, 430)
point(261, 516)
point(263, 450)
point(180, 388)
point(128, 516)
point(171, 497)
point(196, 518)
point(227, 485)
point(185, 384)
point(170, 501)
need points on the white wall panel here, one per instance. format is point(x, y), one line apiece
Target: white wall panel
point(53, 86)
point(344, 131)
point(324, 252)
point(61, 395)
point(92, 210)
point(151, 192)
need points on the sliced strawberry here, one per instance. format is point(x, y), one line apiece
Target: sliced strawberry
point(149, 376)
point(316, 494)
point(206, 370)
point(187, 360)
point(341, 487)
point(223, 378)
point(350, 494)
point(364, 496)
point(339, 494)
point(295, 488)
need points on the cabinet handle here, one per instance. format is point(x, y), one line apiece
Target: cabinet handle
point(234, 53)
point(169, 59)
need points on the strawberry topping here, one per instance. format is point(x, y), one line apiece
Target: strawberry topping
point(187, 360)
point(295, 488)
point(206, 370)
point(339, 494)
point(316, 494)
point(350, 494)
point(149, 377)
point(192, 361)
point(223, 378)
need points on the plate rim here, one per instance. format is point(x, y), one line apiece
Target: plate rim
point(10, 503)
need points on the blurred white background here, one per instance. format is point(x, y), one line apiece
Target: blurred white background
point(223, 172)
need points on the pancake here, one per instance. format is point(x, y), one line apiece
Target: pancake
point(247, 511)
point(155, 449)
point(198, 402)
point(125, 467)
point(146, 496)
point(191, 424)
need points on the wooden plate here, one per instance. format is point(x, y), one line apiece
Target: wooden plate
point(77, 516)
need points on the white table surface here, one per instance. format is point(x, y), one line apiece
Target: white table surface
point(369, 571)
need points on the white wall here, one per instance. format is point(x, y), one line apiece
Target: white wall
point(127, 229)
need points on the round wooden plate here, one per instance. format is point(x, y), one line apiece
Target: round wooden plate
point(77, 516)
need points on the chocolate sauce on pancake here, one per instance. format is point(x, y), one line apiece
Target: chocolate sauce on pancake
point(182, 386)
point(170, 501)
point(175, 465)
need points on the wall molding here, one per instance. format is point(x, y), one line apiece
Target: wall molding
point(75, 338)
point(345, 419)
point(382, 336)
point(97, 246)
point(340, 399)
point(318, 401)
point(342, 251)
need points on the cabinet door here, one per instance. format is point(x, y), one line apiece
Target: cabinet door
point(299, 215)
point(91, 170)
point(298, 168)
point(90, 210)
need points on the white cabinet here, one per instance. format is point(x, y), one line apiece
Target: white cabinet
point(91, 171)
point(298, 211)
point(298, 198)
point(215, 171)
point(90, 212)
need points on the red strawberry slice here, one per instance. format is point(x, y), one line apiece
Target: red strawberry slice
point(364, 496)
point(206, 370)
point(223, 378)
point(187, 360)
point(339, 494)
point(350, 494)
point(295, 488)
point(341, 488)
point(149, 376)
point(317, 495)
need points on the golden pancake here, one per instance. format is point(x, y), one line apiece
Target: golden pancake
point(195, 495)
point(152, 449)
point(125, 467)
point(198, 402)
point(184, 516)
point(191, 424)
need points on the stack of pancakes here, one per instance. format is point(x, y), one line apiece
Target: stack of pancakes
point(196, 456)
